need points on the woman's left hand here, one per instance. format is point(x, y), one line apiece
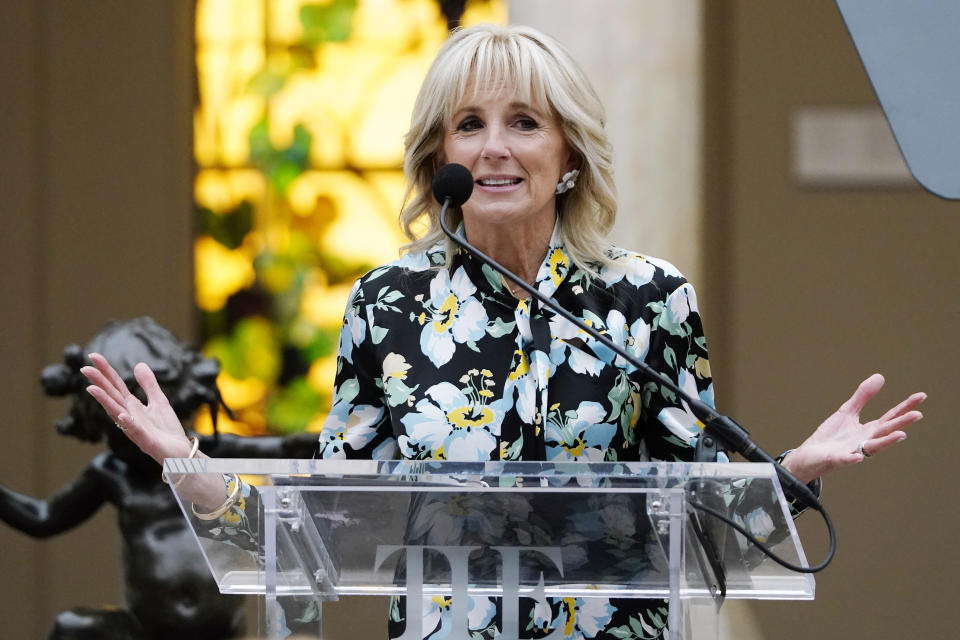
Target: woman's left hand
point(842, 440)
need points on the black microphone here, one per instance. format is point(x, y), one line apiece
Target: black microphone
point(453, 184)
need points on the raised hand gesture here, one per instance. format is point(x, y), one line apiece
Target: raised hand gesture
point(153, 427)
point(842, 440)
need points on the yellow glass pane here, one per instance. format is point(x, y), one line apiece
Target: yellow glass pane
point(324, 204)
point(376, 137)
point(323, 306)
point(480, 11)
point(219, 272)
point(398, 24)
point(284, 17)
point(364, 229)
point(229, 21)
point(223, 191)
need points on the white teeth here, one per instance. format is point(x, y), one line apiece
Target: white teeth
point(498, 182)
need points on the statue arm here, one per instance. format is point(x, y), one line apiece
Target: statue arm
point(299, 445)
point(68, 507)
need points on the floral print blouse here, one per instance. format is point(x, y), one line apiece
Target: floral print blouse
point(443, 363)
point(446, 364)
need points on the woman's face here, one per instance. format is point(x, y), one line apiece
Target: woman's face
point(516, 152)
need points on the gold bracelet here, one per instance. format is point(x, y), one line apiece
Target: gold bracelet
point(194, 447)
point(226, 506)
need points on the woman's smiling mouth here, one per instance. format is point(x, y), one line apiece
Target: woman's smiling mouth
point(499, 182)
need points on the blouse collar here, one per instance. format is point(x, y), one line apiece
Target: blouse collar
point(552, 272)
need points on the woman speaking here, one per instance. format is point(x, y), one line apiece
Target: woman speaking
point(440, 357)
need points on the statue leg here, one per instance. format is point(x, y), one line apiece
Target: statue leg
point(86, 623)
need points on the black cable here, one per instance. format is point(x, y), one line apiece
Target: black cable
point(766, 550)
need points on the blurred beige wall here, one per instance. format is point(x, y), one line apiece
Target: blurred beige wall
point(805, 291)
point(809, 291)
point(644, 60)
point(95, 199)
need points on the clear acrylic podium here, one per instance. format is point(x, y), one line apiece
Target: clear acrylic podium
point(328, 529)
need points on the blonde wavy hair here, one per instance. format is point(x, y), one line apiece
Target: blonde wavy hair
point(542, 72)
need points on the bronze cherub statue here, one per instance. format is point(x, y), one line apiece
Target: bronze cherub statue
point(168, 590)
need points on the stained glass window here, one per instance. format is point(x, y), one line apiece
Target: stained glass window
point(298, 129)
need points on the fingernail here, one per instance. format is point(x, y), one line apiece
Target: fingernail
point(902, 438)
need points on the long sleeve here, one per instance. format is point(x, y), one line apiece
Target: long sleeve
point(358, 425)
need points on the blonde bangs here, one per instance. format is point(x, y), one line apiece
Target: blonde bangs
point(497, 64)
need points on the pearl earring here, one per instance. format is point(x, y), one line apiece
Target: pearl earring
point(568, 181)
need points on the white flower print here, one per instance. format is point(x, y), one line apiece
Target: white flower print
point(354, 329)
point(521, 382)
point(348, 425)
point(561, 349)
point(437, 615)
point(635, 340)
point(452, 315)
point(760, 524)
point(454, 424)
point(582, 618)
point(395, 391)
point(419, 261)
point(672, 314)
point(680, 421)
point(680, 303)
point(578, 435)
point(636, 269)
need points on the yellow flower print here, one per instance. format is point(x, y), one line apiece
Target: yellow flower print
point(453, 316)
point(477, 413)
point(470, 417)
point(235, 514)
point(575, 450)
point(557, 260)
point(636, 404)
point(580, 434)
point(571, 607)
point(522, 366)
point(395, 366)
point(449, 310)
point(702, 367)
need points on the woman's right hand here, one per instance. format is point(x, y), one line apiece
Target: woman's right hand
point(153, 427)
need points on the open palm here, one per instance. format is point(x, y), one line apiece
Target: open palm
point(842, 440)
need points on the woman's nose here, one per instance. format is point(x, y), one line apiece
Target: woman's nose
point(495, 144)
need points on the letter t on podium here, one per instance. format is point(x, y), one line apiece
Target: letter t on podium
point(459, 605)
point(510, 562)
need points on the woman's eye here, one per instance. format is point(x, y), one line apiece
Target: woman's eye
point(527, 123)
point(469, 124)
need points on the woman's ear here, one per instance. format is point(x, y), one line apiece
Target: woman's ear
point(573, 161)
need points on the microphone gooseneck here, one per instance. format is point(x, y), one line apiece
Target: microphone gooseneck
point(453, 185)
